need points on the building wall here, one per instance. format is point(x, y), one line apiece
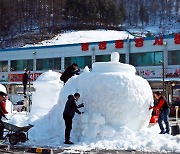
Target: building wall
point(75, 50)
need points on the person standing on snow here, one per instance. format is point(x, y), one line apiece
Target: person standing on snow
point(69, 72)
point(3, 98)
point(70, 108)
point(26, 78)
point(164, 112)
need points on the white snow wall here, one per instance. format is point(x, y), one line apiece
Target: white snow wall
point(47, 87)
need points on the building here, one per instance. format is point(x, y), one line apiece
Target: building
point(156, 58)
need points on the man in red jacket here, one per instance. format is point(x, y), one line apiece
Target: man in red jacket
point(3, 98)
point(164, 112)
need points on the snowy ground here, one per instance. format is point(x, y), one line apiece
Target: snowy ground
point(143, 140)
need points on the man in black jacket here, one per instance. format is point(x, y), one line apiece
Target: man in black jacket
point(68, 114)
point(69, 72)
point(26, 78)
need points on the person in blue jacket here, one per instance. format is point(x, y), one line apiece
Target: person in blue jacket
point(69, 111)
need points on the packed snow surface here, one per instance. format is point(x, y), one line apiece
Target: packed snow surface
point(115, 115)
point(47, 88)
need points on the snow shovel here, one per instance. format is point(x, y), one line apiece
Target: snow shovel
point(175, 128)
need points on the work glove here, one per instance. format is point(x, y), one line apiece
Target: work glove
point(150, 107)
point(81, 105)
point(80, 112)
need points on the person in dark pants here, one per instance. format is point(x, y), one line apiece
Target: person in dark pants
point(3, 98)
point(164, 108)
point(70, 108)
point(25, 80)
point(69, 72)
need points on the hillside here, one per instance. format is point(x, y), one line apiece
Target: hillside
point(30, 22)
point(72, 37)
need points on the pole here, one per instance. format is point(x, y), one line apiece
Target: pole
point(129, 49)
point(163, 74)
point(93, 55)
point(163, 78)
point(34, 64)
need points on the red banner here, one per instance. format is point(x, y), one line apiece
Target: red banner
point(177, 38)
point(119, 44)
point(158, 41)
point(139, 42)
point(102, 45)
point(19, 77)
point(85, 46)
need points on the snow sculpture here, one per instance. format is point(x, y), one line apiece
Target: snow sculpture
point(47, 88)
point(114, 96)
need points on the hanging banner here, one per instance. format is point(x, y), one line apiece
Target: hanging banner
point(158, 73)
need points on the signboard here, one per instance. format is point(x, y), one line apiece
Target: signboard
point(157, 73)
point(5, 77)
point(139, 42)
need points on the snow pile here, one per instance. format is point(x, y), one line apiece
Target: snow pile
point(72, 37)
point(9, 106)
point(47, 87)
point(113, 96)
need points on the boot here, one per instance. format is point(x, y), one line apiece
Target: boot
point(162, 132)
point(166, 132)
point(68, 142)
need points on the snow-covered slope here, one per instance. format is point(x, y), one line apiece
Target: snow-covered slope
point(72, 37)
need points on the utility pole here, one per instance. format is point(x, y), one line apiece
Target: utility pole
point(93, 54)
point(163, 76)
point(34, 64)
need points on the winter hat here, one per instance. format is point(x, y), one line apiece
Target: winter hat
point(75, 64)
point(3, 90)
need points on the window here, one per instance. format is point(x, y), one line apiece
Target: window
point(82, 61)
point(103, 58)
point(146, 59)
point(158, 57)
point(122, 58)
point(48, 64)
point(3, 66)
point(106, 58)
point(174, 57)
point(20, 65)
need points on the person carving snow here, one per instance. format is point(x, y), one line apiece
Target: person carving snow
point(69, 111)
point(69, 72)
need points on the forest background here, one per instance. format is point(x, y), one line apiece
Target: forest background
point(31, 21)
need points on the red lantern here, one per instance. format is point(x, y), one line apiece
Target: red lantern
point(139, 42)
point(119, 44)
point(85, 46)
point(158, 41)
point(177, 38)
point(102, 45)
